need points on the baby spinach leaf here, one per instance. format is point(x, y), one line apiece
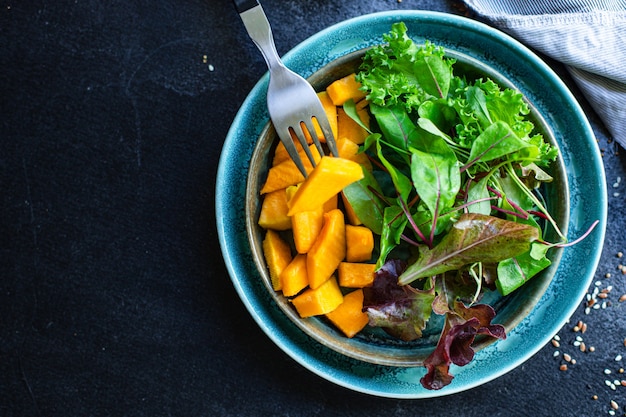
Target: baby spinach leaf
point(393, 225)
point(437, 179)
point(494, 142)
point(473, 238)
point(515, 272)
point(366, 204)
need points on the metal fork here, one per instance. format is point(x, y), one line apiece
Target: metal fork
point(291, 100)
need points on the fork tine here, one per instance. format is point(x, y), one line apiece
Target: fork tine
point(328, 135)
point(311, 128)
point(287, 140)
point(299, 132)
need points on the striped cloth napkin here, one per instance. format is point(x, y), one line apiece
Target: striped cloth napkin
point(588, 36)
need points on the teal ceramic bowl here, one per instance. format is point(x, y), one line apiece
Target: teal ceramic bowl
point(532, 316)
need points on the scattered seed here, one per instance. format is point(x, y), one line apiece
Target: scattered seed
point(614, 405)
point(555, 343)
point(620, 254)
point(587, 310)
point(567, 357)
point(594, 397)
point(563, 367)
point(621, 370)
point(556, 353)
point(598, 283)
point(623, 382)
point(592, 349)
point(577, 343)
point(607, 371)
point(622, 298)
point(573, 362)
point(618, 358)
point(603, 295)
point(582, 347)
point(611, 412)
point(557, 337)
point(583, 328)
point(579, 339)
point(576, 329)
point(591, 302)
point(608, 383)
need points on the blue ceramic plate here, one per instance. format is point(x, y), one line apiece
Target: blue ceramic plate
point(585, 176)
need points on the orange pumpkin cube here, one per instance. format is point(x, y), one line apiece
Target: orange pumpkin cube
point(294, 277)
point(350, 150)
point(356, 274)
point(330, 176)
point(277, 256)
point(348, 128)
point(287, 173)
point(318, 301)
point(349, 316)
point(274, 211)
point(359, 243)
point(344, 89)
point(328, 250)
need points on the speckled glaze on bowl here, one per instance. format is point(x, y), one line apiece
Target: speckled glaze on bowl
point(530, 328)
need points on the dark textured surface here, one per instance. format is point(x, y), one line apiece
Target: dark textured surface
point(114, 299)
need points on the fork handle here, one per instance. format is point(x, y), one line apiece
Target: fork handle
point(259, 30)
point(245, 5)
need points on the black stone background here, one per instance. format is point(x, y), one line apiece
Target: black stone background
point(114, 299)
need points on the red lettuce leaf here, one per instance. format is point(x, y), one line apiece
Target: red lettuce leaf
point(455, 343)
point(402, 311)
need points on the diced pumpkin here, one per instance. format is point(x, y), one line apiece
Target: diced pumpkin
point(356, 274)
point(328, 250)
point(348, 128)
point(305, 225)
point(274, 211)
point(344, 89)
point(331, 203)
point(318, 301)
point(350, 150)
point(359, 243)
point(294, 277)
point(277, 256)
point(287, 173)
point(353, 219)
point(328, 178)
point(349, 316)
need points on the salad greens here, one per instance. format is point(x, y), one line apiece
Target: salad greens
point(463, 164)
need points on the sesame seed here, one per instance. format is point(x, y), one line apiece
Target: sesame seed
point(607, 383)
point(598, 283)
point(592, 349)
point(563, 367)
point(611, 412)
point(556, 353)
point(603, 295)
point(623, 382)
point(618, 358)
point(567, 357)
point(622, 298)
point(607, 371)
point(557, 337)
point(576, 329)
point(620, 254)
point(595, 397)
point(555, 343)
point(579, 339)
point(607, 275)
point(587, 310)
point(573, 361)
point(614, 405)
point(577, 344)
point(582, 347)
